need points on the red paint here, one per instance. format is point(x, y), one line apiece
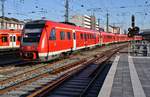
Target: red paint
point(91, 38)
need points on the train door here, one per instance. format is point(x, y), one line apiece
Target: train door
point(101, 39)
point(74, 40)
point(12, 42)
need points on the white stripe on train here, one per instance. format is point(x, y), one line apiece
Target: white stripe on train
point(59, 52)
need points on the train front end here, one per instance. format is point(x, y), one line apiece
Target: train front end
point(31, 37)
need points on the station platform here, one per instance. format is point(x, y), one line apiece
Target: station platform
point(129, 76)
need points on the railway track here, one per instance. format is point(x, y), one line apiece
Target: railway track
point(15, 68)
point(9, 68)
point(29, 73)
point(43, 75)
point(82, 83)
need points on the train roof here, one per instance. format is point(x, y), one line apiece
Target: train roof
point(71, 26)
point(68, 26)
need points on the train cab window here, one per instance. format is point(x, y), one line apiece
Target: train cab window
point(52, 34)
point(32, 32)
point(4, 39)
point(62, 35)
point(68, 35)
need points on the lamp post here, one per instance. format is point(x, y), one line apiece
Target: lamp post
point(2, 22)
point(66, 11)
point(107, 22)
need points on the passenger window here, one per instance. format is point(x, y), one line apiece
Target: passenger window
point(81, 35)
point(53, 34)
point(62, 35)
point(4, 39)
point(84, 36)
point(109, 37)
point(94, 36)
point(68, 35)
point(88, 36)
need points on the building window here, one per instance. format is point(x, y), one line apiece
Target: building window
point(53, 34)
point(62, 35)
point(68, 35)
point(11, 25)
point(18, 26)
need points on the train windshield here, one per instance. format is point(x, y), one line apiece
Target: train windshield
point(32, 32)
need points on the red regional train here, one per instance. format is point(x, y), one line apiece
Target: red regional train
point(45, 40)
point(9, 39)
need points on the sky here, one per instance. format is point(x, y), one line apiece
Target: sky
point(119, 11)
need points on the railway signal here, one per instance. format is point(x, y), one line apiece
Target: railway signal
point(134, 30)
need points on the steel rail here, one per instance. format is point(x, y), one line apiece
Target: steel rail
point(57, 70)
point(98, 70)
point(44, 90)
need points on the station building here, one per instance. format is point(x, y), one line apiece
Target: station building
point(11, 23)
point(85, 21)
point(91, 22)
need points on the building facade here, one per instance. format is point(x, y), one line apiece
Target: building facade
point(11, 23)
point(114, 29)
point(85, 21)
